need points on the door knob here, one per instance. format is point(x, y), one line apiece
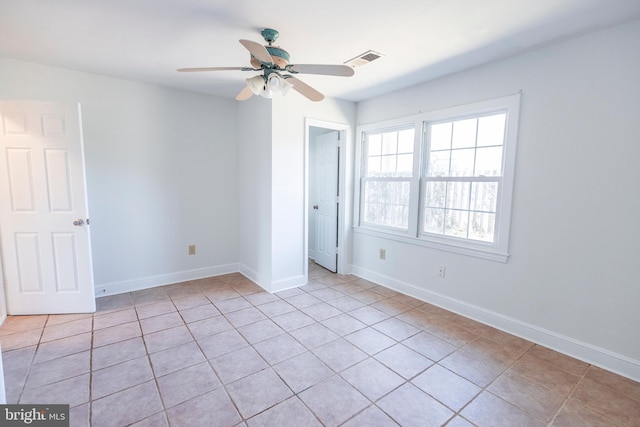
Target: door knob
point(315, 207)
point(78, 222)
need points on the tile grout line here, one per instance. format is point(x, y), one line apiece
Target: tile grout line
point(148, 356)
point(222, 384)
point(371, 326)
point(33, 358)
point(90, 403)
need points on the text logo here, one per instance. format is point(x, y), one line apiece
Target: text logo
point(34, 415)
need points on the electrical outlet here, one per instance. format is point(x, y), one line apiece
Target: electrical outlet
point(383, 253)
point(441, 270)
point(192, 249)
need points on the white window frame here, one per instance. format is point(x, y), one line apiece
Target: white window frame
point(413, 180)
point(497, 250)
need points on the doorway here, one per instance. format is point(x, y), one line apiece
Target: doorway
point(325, 193)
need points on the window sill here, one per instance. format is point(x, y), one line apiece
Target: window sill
point(467, 250)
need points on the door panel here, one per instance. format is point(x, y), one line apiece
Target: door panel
point(65, 261)
point(21, 192)
point(28, 257)
point(58, 186)
point(46, 258)
point(326, 193)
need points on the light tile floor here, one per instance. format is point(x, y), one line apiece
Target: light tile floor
point(338, 351)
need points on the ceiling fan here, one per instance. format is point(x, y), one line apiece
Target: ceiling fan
point(277, 74)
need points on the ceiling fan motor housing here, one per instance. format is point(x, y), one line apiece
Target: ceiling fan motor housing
point(280, 57)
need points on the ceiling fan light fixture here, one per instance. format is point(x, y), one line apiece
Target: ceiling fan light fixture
point(274, 82)
point(266, 93)
point(267, 86)
point(285, 87)
point(277, 83)
point(256, 84)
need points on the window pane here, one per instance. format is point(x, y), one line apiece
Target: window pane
point(464, 133)
point(405, 165)
point(388, 166)
point(439, 163)
point(435, 194)
point(456, 223)
point(441, 136)
point(482, 226)
point(484, 196)
point(374, 144)
point(489, 161)
point(372, 213)
point(433, 221)
point(397, 216)
point(386, 203)
point(390, 154)
point(390, 143)
point(458, 195)
point(462, 162)
point(491, 130)
point(373, 166)
point(405, 141)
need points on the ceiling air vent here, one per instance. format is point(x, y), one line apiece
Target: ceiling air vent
point(364, 59)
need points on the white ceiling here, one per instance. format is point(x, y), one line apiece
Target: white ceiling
point(147, 40)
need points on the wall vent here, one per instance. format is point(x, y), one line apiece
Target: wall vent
point(364, 59)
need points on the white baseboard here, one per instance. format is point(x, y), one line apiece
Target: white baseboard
point(288, 283)
point(114, 288)
point(267, 285)
point(586, 352)
point(252, 275)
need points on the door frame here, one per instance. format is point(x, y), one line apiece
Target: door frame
point(345, 133)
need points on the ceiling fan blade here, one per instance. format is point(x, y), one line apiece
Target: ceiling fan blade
point(244, 94)
point(305, 89)
point(258, 51)
point(191, 70)
point(328, 70)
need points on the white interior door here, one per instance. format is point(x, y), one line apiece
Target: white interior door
point(44, 232)
point(325, 205)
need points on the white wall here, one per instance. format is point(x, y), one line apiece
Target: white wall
point(272, 185)
point(289, 180)
point(573, 279)
point(161, 174)
point(254, 189)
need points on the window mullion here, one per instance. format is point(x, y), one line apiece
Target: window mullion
point(414, 200)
